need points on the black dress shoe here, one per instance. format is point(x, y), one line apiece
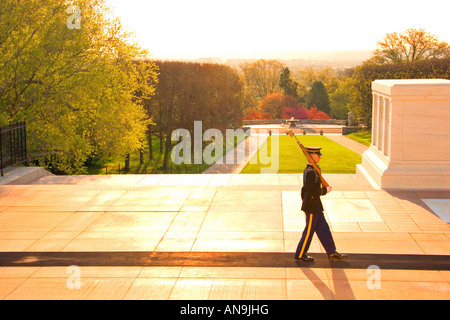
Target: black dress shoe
point(305, 258)
point(337, 256)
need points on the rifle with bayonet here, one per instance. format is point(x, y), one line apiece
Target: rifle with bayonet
point(308, 157)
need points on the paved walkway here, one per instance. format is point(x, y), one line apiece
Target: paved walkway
point(353, 145)
point(235, 160)
point(219, 236)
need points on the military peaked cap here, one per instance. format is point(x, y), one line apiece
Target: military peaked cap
point(314, 150)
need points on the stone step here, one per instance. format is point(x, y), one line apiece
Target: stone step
point(23, 175)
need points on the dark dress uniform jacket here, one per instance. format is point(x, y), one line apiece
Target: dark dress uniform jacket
point(311, 191)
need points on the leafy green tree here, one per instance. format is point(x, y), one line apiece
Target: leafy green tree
point(318, 97)
point(288, 85)
point(74, 83)
point(308, 75)
point(340, 99)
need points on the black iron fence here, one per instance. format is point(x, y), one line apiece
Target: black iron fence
point(13, 145)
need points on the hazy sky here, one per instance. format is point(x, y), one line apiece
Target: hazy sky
point(262, 28)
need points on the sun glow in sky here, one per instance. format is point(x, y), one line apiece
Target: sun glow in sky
point(189, 29)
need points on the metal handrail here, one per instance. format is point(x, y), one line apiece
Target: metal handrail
point(13, 145)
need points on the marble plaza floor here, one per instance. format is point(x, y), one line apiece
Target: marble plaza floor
point(215, 236)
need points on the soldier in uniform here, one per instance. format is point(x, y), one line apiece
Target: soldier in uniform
point(312, 206)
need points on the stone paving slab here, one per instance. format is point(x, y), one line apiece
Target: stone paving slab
point(232, 214)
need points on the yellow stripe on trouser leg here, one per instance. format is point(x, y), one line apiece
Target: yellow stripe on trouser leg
point(307, 235)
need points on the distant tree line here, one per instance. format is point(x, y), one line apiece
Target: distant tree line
point(414, 53)
point(270, 87)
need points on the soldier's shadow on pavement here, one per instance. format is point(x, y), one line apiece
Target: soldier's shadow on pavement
point(342, 287)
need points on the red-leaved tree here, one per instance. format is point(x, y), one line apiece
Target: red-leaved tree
point(256, 115)
point(274, 104)
point(294, 112)
point(313, 113)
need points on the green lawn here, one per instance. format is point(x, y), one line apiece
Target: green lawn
point(335, 159)
point(152, 166)
point(364, 137)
